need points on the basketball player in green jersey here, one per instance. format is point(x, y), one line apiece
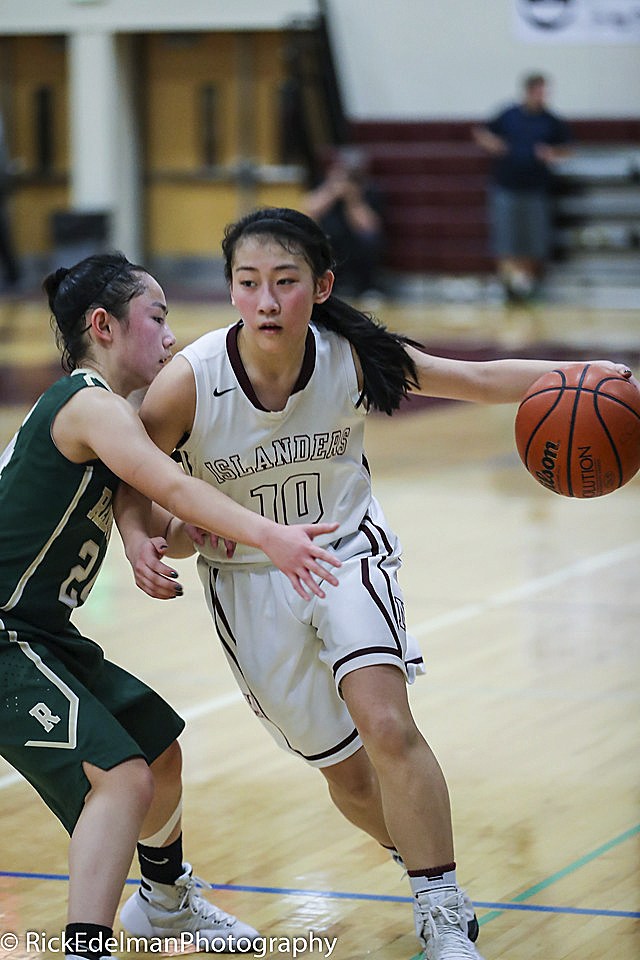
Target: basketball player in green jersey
point(97, 744)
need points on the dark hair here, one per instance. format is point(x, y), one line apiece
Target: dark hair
point(108, 280)
point(533, 80)
point(388, 371)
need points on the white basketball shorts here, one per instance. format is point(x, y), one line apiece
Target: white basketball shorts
point(289, 655)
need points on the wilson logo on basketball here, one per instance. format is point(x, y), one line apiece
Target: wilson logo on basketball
point(547, 476)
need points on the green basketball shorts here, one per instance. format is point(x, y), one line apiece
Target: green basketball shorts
point(62, 703)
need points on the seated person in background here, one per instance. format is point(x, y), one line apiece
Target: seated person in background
point(348, 209)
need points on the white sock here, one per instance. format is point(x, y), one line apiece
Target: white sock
point(431, 884)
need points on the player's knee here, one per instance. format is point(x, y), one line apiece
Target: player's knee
point(131, 777)
point(138, 780)
point(387, 733)
point(168, 766)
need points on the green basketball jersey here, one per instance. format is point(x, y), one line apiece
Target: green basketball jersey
point(55, 517)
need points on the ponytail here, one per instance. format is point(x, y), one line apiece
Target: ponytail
point(388, 371)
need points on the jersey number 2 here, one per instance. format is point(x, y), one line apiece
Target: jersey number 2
point(80, 576)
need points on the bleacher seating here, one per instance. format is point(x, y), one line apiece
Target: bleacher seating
point(434, 178)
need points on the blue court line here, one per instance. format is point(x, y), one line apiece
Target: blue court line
point(496, 908)
point(344, 895)
point(565, 872)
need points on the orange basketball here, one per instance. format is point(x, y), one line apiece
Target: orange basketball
point(578, 430)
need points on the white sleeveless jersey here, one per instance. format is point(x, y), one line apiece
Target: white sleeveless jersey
point(303, 464)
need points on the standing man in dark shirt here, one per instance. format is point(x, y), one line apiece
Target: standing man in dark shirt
point(525, 140)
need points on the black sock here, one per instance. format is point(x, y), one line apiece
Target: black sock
point(87, 940)
point(161, 864)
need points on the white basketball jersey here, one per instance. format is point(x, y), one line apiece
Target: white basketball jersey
point(303, 464)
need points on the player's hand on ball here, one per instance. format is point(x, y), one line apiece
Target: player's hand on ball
point(618, 369)
point(621, 369)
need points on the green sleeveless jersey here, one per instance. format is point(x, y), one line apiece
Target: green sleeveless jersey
point(55, 517)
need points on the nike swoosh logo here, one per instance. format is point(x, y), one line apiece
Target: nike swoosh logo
point(219, 393)
point(159, 863)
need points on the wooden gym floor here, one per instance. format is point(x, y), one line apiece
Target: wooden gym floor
point(526, 606)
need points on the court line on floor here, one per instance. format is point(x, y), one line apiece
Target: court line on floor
point(495, 908)
point(504, 598)
point(466, 612)
point(566, 871)
point(517, 902)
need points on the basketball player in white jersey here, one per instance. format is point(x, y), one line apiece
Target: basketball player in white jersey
point(271, 411)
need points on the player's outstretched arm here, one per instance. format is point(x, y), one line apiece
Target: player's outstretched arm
point(103, 425)
point(487, 381)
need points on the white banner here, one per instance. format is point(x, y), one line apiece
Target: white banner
point(577, 21)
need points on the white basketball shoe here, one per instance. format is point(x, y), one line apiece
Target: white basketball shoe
point(473, 928)
point(445, 931)
point(178, 912)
